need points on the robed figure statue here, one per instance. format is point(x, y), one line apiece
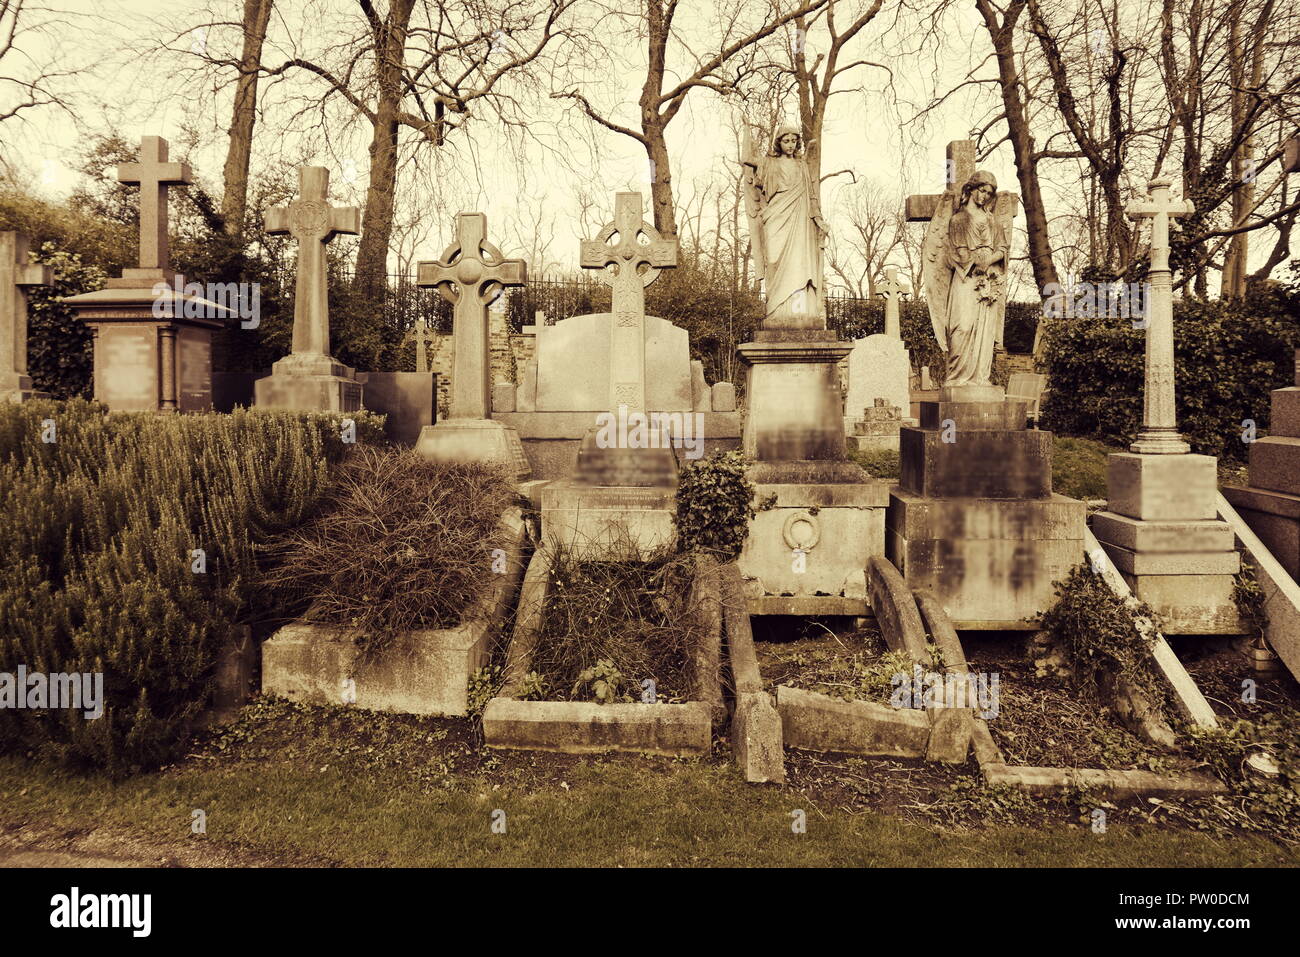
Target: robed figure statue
point(786, 231)
point(964, 263)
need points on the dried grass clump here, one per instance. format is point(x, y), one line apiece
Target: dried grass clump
point(400, 544)
point(638, 615)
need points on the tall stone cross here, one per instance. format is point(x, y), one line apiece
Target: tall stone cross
point(16, 274)
point(468, 276)
point(153, 174)
point(959, 167)
point(627, 256)
point(1159, 433)
point(312, 221)
point(890, 289)
point(422, 335)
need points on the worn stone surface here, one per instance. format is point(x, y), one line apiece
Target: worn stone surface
point(407, 400)
point(1161, 537)
point(1274, 518)
point(578, 727)
point(706, 655)
point(701, 395)
point(807, 550)
point(503, 397)
point(1161, 487)
point(950, 735)
point(978, 464)
point(528, 620)
point(485, 441)
point(724, 397)
point(879, 367)
point(816, 722)
point(1116, 784)
point(796, 412)
point(998, 415)
point(756, 738)
point(1285, 412)
point(1190, 604)
point(232, 682)
point(595, 521)
point(1172, 563)
point(986, 560)
point(896, 612)
point(1273, 464)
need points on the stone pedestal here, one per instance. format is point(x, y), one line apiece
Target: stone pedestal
point(828, 518)
point(1270, 504)
point(877, 429)
point(311, 382)
point(153, 346)
point(1161, 532)
point(474, 440)
point(879, 368)
point(974, 519)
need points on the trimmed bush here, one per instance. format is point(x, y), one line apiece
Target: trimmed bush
point(102, 518)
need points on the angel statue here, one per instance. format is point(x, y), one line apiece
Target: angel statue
point(786, 230)
point(964, 266)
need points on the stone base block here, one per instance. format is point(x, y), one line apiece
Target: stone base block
point(872, 443)
point(581, 727)
point(1162, 537)
point(977, 464)
point(1172, 563)
point(817, 539)
point(1190, 604)
point(816, 722)
point(408, 402)
point(1162, 487)
point(599, 523)
point(1275, 464)
point(1285, 417)
point(986, 560)
point(998, 415)
point(18, 388)
point(483, 441)
point(314, 393)
point(1275, 518)
point(756, 739)
point(427, 673)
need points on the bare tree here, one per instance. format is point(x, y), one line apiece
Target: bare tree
point(659, 106)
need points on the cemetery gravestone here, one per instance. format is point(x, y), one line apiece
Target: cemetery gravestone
point(153, 338)
point(879, 365)
point(309, 377)
point(1161, 528)
point(469, 275)
point(17, 275)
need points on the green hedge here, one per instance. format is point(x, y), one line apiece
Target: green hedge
point(97, 529)
point(1228, 357)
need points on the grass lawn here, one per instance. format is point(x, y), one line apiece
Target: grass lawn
point(327, 786)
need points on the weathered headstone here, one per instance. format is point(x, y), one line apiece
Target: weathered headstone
point(16, 276)
point(627, 256)
point(470, 274)
point(310, 377)
point(153, 340)
point(879, 365)
point(1160, 528)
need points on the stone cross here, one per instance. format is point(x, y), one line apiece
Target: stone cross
point(422, 335)
point(153, 174)
point(312, 221)
point(16, 274)
point(1159, 433)
point(960, 166)
point(469, 275)
point(890, 289)
point(627, 256)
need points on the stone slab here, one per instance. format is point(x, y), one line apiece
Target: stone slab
point(1284, 419)
point(808, 605)
point(1277, 524)
point(1275, 464)
point(610, 523)
point(816, 722)
point(724, 397)
point(407, 400)
point(978, 464)
point(878, 367)
point(503, 397)
point(1281, 593)
point(836, 543)
point(992, 560)
point(757, 740)
point(1172, 563)
point(701, 394)
point(1161, 487)
point(584, 727)
point(896, 613)
point(320, 393)
point(1115, 784)
point(1190, 604)
point(1162, 537)
point(573, 362)
point(999, 416)
point(480, 441)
